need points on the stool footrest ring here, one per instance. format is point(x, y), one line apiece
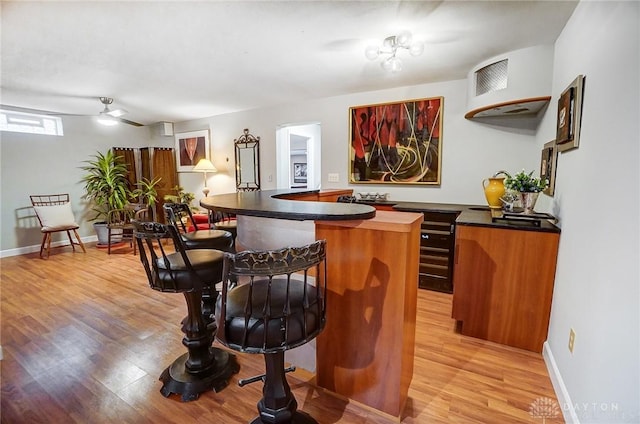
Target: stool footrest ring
point(243, 382)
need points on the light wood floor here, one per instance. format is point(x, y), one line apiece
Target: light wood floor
point(84, 340)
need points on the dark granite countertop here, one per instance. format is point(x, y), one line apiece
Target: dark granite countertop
point(485, 219)
point(433, 207)
point(477, 215)
point(266, 204)
point(419, 206)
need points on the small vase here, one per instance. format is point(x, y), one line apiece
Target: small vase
point(493, 191)
point(528, 200)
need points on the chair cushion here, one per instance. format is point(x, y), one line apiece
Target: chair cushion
point(191, 228)
point(200, 218)
point(176, 277)
point(56, 217)
point(226, 225)
point(208, 239)
point(301, 325)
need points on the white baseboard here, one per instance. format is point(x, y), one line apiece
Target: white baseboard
point(36, 247)
point(566, 406)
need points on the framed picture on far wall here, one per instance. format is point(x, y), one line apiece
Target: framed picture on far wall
point(548, 164)
point(190, 148)
point(396, 143)
point(300, 173)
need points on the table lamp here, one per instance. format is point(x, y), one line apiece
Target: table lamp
point(205, 166)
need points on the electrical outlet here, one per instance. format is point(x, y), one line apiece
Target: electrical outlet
point(333, 178)
point(572, 339)
point(270, 178)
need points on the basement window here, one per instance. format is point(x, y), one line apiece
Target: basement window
point(31, 123)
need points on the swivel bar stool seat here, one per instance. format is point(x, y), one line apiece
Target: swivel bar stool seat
point(194, 237)
point(199, 238)
point(203, 367)
point(278, 304)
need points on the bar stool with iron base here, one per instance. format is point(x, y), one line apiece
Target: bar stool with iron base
point(203, 367)
point(192, 235)
point(278, 304)
point(199, 238)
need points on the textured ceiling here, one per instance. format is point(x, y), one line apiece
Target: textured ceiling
point(175, 61)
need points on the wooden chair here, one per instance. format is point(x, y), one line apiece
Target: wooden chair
point(119, 223)
point(55, 215)
point(281, 306)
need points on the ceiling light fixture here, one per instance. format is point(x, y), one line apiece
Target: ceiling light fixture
point(390, 46)
point(107, 116)
point(107, 120)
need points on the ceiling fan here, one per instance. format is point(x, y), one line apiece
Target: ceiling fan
point(112, 117)
point(105, 117)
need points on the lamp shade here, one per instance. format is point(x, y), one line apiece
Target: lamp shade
point(204, 165)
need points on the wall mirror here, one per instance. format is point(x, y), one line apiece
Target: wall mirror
point(247, 162)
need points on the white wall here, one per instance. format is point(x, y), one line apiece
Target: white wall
point(597, 190)
point(38, 164)
point(471, 151)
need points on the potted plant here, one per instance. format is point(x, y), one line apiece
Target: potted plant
point(147, 194)
point(106, 186)
point(527, 186)
point(181, 196)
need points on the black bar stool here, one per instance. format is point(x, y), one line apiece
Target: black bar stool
point(195, 237)
point(278, 304)
point(199, 238)
point(184, 271)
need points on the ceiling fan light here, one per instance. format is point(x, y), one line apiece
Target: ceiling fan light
point(107, 120)
point(117, 113)
point(372, 52)
point(416, 49)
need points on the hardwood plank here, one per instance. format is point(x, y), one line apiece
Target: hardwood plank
point(85, 339)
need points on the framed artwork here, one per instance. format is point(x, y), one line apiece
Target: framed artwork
point(548, 164)
point(299, 172)
point(570, 115)
point(190, 148)
point(396, 143)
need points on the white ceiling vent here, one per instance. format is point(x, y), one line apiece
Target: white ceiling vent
point(514, 84)
point(492, 77)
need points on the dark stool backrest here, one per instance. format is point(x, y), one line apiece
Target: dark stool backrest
point(267, 272)
point(165, 270)
point(174, 212)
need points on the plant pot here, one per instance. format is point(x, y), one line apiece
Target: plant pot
point(103, 234)
point(528, 201)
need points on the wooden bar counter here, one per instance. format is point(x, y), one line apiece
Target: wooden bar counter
point(366, 351)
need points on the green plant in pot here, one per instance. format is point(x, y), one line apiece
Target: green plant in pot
point(528, 187)
point(147, 193)
point(107, 187)
point(181, 196)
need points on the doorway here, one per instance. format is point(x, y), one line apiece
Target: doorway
point(298, 159)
